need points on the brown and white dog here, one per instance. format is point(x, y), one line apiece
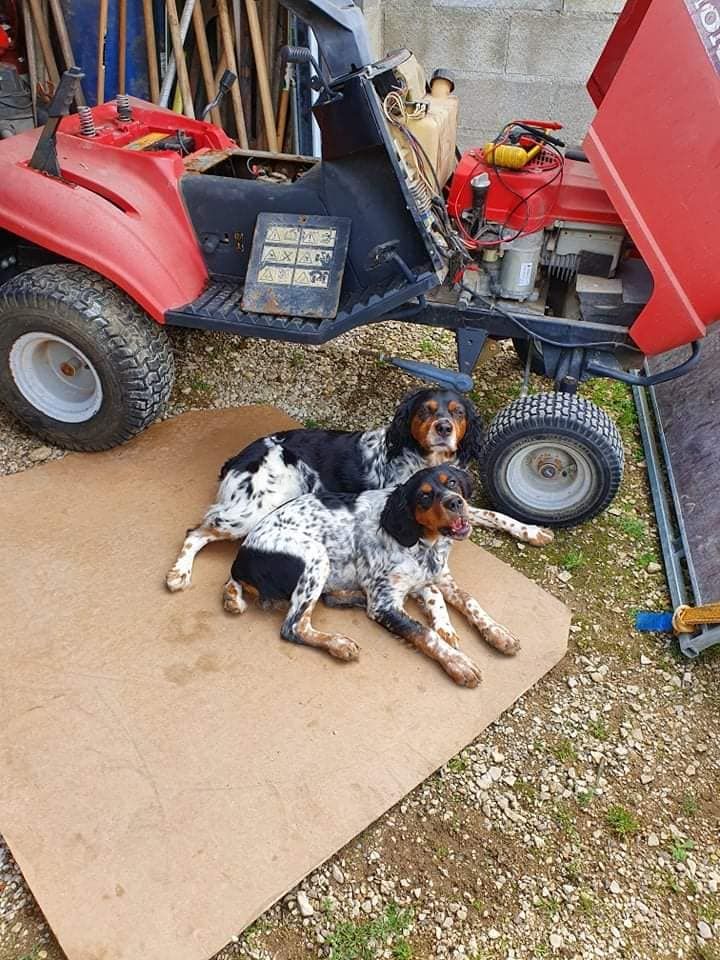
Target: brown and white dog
point(430, 427)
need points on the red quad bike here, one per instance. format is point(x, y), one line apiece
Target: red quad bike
point(122, 220)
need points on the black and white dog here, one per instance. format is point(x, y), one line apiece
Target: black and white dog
point(374, 550)
point(430, 427)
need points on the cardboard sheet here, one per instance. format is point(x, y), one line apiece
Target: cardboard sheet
point(167, 770)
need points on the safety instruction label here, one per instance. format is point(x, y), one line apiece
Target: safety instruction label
point(296, 265)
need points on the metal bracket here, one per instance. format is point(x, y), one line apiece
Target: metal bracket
point(44, 156)
point(427, 371)
point(470, 342)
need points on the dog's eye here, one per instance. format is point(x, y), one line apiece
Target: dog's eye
point(426, 499)
point(450, 483)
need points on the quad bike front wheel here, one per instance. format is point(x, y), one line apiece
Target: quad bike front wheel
point(553, 459)
point(80, 363)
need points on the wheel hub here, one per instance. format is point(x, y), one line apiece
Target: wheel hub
point(548, 477)
point(70, 367)
point(551, 467)
point(55, 377)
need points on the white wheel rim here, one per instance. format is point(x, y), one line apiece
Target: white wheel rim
point(55, 377)
point(549, 476)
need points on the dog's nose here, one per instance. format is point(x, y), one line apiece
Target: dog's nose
point(443, 428)
point(454, 504)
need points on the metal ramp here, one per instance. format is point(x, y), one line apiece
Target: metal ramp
point(680, 427)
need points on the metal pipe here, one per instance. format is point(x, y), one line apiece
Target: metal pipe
point(172, 67)
point(641, 380)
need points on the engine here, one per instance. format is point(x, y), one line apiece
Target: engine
point(529, 215)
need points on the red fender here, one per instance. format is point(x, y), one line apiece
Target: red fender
point(117, 211)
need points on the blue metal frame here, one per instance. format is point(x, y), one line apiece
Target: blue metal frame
point(82, 23)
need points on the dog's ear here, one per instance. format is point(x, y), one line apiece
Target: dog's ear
point(471, 443)
point(465, 482)
point(398, 436)
point(398, 518)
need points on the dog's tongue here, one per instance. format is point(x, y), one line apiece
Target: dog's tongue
point(457, 525)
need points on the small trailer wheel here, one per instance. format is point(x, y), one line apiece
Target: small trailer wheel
point(80, 363)
point(553, 459)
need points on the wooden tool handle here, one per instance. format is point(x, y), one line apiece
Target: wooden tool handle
point(44, 38)
point(64, 41)
point(151, 46)
point(262, 74)
point(205, 61)
point(102, 35)
point(122, 45)
point(227, 40)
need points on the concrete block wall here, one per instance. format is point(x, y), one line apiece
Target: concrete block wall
point(513, 58)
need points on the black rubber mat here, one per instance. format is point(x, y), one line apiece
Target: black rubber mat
point(689, 413)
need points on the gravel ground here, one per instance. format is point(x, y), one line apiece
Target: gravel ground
point(584, 823)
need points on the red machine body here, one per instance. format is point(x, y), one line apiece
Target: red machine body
point(117, 209)
point(11, 39)
point(577, 195)
point(653, 146)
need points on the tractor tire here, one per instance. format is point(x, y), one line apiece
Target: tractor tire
point(81, 365)
point(552, 459)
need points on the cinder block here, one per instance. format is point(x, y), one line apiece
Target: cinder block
point(502, 4)
point(573, 107)
point(562, 46)
point(462, 39)
point(374, 15)
point(488, 103)
point(593, 6)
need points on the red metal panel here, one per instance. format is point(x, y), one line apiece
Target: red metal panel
point(655, 145)
point(117, 211)
point(615, 49)
point(579, 197)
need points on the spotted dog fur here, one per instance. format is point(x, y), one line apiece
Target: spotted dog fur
point(430, 427)
point(373, 549)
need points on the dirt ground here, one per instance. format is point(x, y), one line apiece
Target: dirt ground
point(585, 822)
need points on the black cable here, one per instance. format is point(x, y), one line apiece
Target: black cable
point(523, 199)
point(437, 201)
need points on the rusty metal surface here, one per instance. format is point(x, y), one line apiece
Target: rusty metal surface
point(296, 265)
point(204, 160)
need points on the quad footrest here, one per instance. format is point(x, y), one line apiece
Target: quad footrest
point(219, 308)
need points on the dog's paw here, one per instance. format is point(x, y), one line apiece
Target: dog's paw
point(462, 670)
point(449, 636)
point(501, 639)
point(177, 580)
point(232, 598)
point(343, 648)
point(539, 536)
